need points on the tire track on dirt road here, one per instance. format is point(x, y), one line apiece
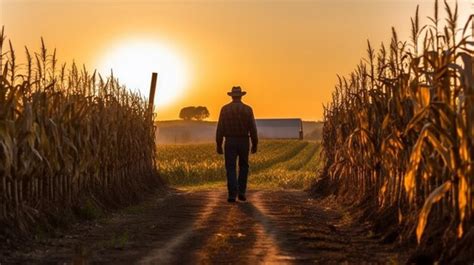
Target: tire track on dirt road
point(242, 237)
point(165, 254)
point(320, 231)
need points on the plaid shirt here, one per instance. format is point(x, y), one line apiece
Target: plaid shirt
point(236, 120)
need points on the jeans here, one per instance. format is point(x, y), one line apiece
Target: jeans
point(236, 147)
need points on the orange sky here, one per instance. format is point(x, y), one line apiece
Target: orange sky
point(286, 54)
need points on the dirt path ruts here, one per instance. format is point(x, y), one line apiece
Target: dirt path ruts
point(200, 227)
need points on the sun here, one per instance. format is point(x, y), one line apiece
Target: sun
point(133, 62)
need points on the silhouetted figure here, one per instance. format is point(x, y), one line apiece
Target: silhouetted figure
point(236, 124)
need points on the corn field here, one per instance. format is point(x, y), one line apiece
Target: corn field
point(66, 133)
point(400, 128)
point(280, 163)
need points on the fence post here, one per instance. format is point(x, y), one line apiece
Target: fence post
point(154, 77)
point(151, 100)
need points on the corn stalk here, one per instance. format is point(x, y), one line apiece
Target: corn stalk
point(65, 134)
point(399, 129)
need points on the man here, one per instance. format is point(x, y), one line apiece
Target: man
point(236, 124)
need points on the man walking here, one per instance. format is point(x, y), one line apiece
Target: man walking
point(236, 124)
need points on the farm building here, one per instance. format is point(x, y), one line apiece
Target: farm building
point(280, 128)
point(204, 131)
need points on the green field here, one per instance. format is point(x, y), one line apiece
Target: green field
point(278, 163)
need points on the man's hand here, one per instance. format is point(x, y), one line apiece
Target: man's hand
point(254, 149)
point(219, 150)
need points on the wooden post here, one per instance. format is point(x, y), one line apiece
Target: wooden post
point(154, 77)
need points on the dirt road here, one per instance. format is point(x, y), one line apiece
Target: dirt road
point(200, 227)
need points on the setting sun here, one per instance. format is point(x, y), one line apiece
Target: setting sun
point(134, 61)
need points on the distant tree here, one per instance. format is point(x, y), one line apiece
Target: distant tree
point(186, 113)
point(194, 113)
point(201, 113)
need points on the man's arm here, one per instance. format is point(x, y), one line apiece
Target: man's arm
point(253, 132)
point(220, 133)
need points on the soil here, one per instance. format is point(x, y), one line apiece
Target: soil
point(201, 227)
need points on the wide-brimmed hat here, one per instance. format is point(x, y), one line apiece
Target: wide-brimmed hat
point(236, 91)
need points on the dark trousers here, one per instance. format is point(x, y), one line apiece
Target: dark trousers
point(236, 147)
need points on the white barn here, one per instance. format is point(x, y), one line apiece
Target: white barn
point(280, 128)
